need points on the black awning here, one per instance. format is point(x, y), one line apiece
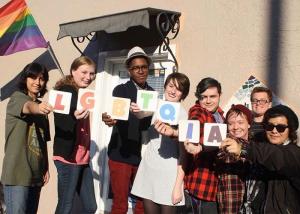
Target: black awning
point(113, 23)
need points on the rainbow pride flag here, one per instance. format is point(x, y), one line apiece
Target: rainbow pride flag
point(18, 30)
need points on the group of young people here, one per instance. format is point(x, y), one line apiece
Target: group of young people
point(256, 169)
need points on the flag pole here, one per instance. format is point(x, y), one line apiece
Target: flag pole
point(54, 59)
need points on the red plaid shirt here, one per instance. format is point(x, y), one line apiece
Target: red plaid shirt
point(231, 186)
point(201, 180)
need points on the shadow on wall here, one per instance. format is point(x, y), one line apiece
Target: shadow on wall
point(274, 46)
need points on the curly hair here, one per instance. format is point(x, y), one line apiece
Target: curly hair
point(67, 80)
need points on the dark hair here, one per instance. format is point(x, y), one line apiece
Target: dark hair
point(32, 70)
point(289, 114)
point(261, 89)
point(183, 83)
point(206, 83)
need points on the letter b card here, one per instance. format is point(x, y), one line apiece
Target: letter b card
point(119, 108)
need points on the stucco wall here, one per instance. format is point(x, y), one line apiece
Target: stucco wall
point(228, 40)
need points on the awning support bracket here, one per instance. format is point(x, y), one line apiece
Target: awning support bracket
point(91, 37)
point(168, 28)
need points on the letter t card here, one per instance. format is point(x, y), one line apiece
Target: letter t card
point(147, 100)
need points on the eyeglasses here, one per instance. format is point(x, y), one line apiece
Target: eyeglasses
point(138, 68)
point(280, 127)
point(257, 102)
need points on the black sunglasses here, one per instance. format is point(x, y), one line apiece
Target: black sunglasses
point(280, 127)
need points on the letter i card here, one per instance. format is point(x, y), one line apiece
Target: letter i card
point(60, 100)
point(189, 130)
point(214, 134)
point(86, 99)
point(147, 100)
point(119, 108)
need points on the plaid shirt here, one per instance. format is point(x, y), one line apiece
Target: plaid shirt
point(231, 187)
point(201, 179)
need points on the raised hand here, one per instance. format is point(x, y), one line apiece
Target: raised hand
point(44, 108)
point(231, 146)
point(108, 120)
point(192, 148)
point(165, 129)
point(81, 114)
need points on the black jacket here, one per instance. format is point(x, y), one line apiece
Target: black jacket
point(65, 127)
point(282, 164)
point(125, 143)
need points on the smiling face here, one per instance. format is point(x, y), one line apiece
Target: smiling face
point(84, 75)
point(238, 125)
point(274, 136)
point(210, 99)
point(172, 93)
point(260, 103)
point(138, 70)
point(35, 85)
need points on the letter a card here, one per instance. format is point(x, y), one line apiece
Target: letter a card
point(214, 134)
point(147, 100)
point(168, 112)
point(119, 108)
point(189, 130)
point(86, 99)
point(60, 100)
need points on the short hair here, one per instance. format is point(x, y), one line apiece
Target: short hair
point(183, 83)
point(82, 60)
point(206, 83)
point(239, 110)
point(32, 70)
point(259, 89)
point(289, 114)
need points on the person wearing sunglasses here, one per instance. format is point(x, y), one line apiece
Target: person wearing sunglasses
point(280, 157)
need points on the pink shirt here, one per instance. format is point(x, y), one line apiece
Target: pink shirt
point(81, 153)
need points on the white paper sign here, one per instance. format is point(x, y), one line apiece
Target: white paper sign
point(86, 99)
point(60, 100)
point(214, 134)
point(147, 100)
point(189, 130)
point(168, 112)
point(119, 108)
